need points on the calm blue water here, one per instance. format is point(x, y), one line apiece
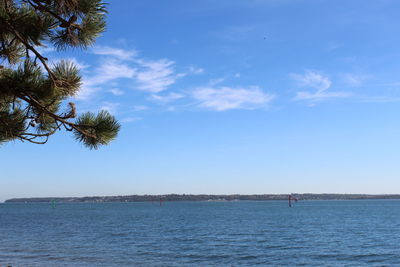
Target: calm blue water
point(313, 233)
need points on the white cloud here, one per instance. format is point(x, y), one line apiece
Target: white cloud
point(116, 91)
point(80, 65)
point(112, 70)
point(216, 81)
point(312, 79)
point(86, 91)
point(320, 95)
point(167, 98)
point(152, 76)
point(140, 108)
point(114, 52)
point(110, 107)
point(192, 70)
point(379, 99)
point(195, 70)
point(226, 98)
point(352, 79)
point(316, 81)
point(130, 119)
point(108, 71)
point(45, 49)
point(155, 76)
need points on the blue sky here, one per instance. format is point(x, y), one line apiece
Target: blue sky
point(229, 96)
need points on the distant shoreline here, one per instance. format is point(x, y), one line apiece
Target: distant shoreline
point(202, 197)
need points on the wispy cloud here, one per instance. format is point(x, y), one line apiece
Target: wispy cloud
point(155, 75)
point(354, 80)
point(116, 91)
point(320, 83)
point(130, 119)
point(140, 108)
point(216, 81)
point(226, 98)
point(149, 75)
point(195, 70)
point(109, 70)
point(79, 64)
point(45, 49)
point(114, 52)
point(379, 99)
point(312, 79)
point(110, 107)
point(316, 96)
point(168, 97)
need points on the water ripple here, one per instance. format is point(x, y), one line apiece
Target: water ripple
point(313, 233)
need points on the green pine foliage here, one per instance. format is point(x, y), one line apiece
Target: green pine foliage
point(33, 92)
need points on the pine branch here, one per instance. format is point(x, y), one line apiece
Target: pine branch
point(28, 46)
point(30, 100)
point(63, 23)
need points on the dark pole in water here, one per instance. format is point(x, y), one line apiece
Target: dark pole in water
point(290, 198)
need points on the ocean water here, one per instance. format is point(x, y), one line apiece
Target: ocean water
point(267, 233)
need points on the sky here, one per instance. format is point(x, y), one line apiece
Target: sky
point(230, 96)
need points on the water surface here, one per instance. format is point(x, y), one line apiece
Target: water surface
point(312, 233)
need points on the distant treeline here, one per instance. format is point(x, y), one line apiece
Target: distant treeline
point(184, 197)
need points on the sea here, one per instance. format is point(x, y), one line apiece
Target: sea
point(235, 233)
